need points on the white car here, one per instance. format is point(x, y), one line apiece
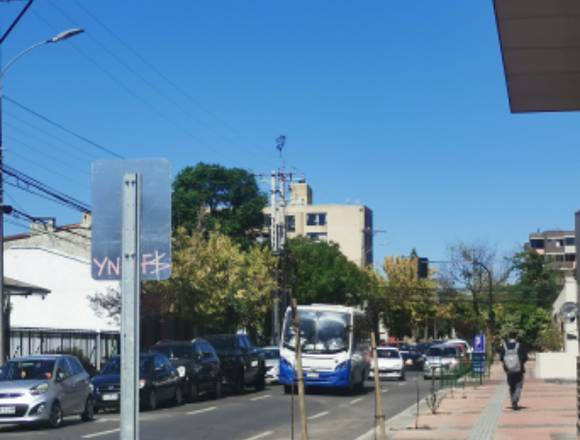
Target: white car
point(440, 360)
point(390, 364)
point(272, 361)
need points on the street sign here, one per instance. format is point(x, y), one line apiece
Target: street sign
point(479, 343)
point(478, 363)
point(155, 237)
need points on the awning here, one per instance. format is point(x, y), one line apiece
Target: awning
point(19, 288)
point(540, 46)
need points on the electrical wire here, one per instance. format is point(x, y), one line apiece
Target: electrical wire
point(40, 134)
point(157, 71)
point(128, 90)
point(43, 167)
point(61, 159)
point(62, 127)
point(30, 182)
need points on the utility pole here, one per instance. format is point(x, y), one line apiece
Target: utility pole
point(279, 179)
point(4, 341)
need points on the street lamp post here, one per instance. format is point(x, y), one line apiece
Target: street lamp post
point(490, 277)
point(6, 209)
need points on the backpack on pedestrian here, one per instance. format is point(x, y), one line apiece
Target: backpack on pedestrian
point(511, 359)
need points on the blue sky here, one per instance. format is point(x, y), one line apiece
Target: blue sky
point(397, 104)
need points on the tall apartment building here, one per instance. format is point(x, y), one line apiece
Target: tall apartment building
point(349, 226)
point(557, 246)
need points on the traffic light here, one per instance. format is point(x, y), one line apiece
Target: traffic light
point(6, 209)
point(422, 268)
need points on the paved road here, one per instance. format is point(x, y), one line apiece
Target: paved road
point(252, 416)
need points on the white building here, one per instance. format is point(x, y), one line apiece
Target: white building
point(57, 259)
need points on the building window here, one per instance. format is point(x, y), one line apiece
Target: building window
point(316, 219)
point(317, 236)
point(570, 241)
point(570, 257)
point(537, 243)
point(267, 220)
point(291, 223)
point(559, 258)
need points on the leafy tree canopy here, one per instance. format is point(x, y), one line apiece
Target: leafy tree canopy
point(207, 196)
point(322, 274)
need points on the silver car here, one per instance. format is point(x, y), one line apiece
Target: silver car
point(44, 388)
point(272, 361)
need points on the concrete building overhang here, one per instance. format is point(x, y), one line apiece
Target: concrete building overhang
point(540, 46)
point(20, 288)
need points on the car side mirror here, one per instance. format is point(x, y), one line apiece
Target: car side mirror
point(60, 376)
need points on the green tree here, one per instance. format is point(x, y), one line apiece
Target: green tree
point(538, 281)
point(321, 273)
point(207, 196)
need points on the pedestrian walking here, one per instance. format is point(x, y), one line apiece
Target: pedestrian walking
point(514, 356)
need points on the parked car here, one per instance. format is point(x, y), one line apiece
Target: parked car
point(197, 364)
point(390, 364)
point(44, 389)
point(242, 363)
point(412, 358)
point(158, 382)
point(463, 346)
point(272, 360)
point(440, 359)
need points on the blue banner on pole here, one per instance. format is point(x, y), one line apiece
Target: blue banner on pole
point(479, 343)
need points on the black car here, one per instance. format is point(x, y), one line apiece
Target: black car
point(412, 357)
point(197, 364)
point(158, 382)
point(242, 363)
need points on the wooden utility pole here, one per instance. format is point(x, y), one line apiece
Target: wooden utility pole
point(379, 411)
point(299, 375)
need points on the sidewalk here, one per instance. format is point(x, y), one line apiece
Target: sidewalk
point(484, 413)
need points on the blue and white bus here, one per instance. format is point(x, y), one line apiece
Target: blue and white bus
point(335, 347)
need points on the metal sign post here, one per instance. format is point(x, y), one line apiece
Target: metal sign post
point(130, 290)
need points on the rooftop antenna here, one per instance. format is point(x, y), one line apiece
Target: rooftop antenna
point(280, 143)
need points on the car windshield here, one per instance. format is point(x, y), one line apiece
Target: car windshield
point(175, 351)
point(435, 351)
point(26, 370)
point(271, 353)
point(388, 354)
point(114, 365)
point(321, 332)
point(222, 342)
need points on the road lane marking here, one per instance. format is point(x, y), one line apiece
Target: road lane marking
point(317, 416)
point(384, 390)
point(266, 396)
point(402, 384)
point(204, 410)
point(353, 401)
point(99, 434)
point(262, 435)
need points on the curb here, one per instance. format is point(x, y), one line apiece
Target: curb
point(401, 420)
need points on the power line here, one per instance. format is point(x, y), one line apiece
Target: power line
point(43, 167)
point(157, 71)
point(61, 160)
point(62, 127)
point(127, 89)
point(30, 182)
point(57, 142)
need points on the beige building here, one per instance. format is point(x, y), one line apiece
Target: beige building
point(349, 226)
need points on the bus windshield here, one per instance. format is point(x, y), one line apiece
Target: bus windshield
point(321, 332)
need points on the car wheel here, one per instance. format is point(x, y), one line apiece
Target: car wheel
point(402, 377)
point(260, 382)
point(217, 388)
point(240, 384)
point(193, 391)
point(56, 416)
point(152, 400)
point(88, 414)
point(178, 397)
